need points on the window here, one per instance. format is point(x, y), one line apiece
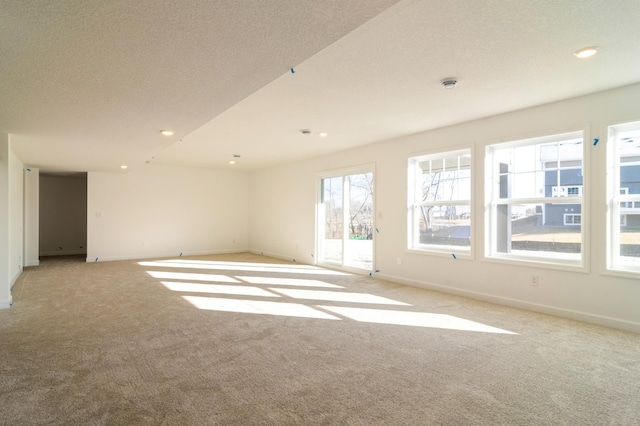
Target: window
point(534, 199)
point(566, 191)
point(440, 202)
point(623, 230)
point(572, 219)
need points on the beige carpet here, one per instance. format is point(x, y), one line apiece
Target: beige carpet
point(245, 339)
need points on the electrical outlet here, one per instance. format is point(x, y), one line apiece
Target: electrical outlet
point(535, 280)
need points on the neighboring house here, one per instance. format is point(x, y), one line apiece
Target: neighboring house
point(563, 178)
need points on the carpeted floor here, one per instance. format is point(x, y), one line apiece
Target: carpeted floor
point(245, 340)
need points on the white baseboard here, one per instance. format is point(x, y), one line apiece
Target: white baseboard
point(281, 256)
point(32, 263)
point(62, 252)
point(93, 259)
point(522, 304)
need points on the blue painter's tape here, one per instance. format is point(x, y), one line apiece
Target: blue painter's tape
point(293, 71)
point(377, 270)
point(453, 255)
point(595, 141)
point(369, 273)
point(312, 255)
point(96, 259)
point(180, 254)
point(377, 230)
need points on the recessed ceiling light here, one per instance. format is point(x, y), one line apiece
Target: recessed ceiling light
point(123, 166)
point(167, 132)
point(323, 134)
point(587, 52)
point(232, 162)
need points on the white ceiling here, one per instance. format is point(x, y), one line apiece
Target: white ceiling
point(88, 85)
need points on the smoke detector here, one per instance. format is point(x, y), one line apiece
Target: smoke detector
point(449, 83)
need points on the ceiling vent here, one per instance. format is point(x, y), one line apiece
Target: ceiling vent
point(449, 83)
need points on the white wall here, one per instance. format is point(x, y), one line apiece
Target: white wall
point(32, 216)
point(5, 284)
point(282, 215)
point(16, 217)
point(11, 220)
point(159, 211)
point(63, 215)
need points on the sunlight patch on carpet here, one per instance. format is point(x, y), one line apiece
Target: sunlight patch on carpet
point(241, 266)
point(297, 282)
point(217, 289)
point(257, 307)
point(191, 277)
point(416, 319)
point(335, 296)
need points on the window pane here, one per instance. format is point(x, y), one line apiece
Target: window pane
point(445, 225)
point(525, 229)
point(446, 179)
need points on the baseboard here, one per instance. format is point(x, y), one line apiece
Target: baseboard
point(32, 263)
point(280, 256)
point(63, 253)
point(165, 255)
point(15, 278)
point(522, 304)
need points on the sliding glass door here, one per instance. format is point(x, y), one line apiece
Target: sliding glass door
point(345, 220)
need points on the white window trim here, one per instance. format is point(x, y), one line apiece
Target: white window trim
point(414, 184)
point(616, 197)
point(548, 260)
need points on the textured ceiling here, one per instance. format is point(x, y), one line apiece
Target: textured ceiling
point(88, 85)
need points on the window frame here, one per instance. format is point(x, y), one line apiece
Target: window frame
point(548, 259)
point(414, 185)
point(620, 203)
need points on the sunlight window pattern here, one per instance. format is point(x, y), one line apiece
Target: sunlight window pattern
point(534, 199)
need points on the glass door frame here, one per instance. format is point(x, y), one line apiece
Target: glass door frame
point(320, 217)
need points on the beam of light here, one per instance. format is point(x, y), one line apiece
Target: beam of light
point(257, 307)
point(240, 266)
point(217, 289)
point(191, 277)
point(336, 296)
point(416, 319)
point(294, 282)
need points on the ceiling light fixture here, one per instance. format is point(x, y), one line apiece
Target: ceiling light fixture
point(587, 52)
point(123, 166)
point(449, 83)
point(323, 134)
point(166, 132)
point(232, 162)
